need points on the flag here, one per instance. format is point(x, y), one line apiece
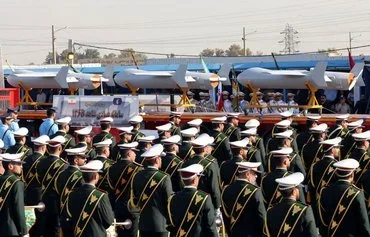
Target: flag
point(204, 65)
point(220, 103)
point(350, 59)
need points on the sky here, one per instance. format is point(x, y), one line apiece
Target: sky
point(179, 27)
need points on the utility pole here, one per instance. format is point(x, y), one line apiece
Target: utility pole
point(244, 39)
point(290, 40)
point(53, 45)
point(350, 41)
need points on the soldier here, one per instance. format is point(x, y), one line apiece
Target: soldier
point(103, 154)
point(49, 127)
point(144, 144)
point(12, 219)
point(259, 143)
point(228, 105)
point(125, 135)
point(242, 102)
point(342, 206)
point(202, 101)
point(186, 149)
point(279, 127)
point(1, 151)
point(194, 203)
point(280, 102)
point(282, 162)
point(88, 208)
point(20, 143)
point(84, 140)
point(150, 190)
point(136, 123)
point(175, 119)
point(164, 131)
point(208, 103)
point(272, 102)
point(341, 128)
point(312, 151)
point(360, 153)
point(47, 170)
point(68, 180)
point(291, 102)
point(254, 153)
point(222, 149)
point(192, 101)
point(290, 217)
point(231, 130)
point(349, 142)
point(105, 125)
point(262, 103)
point(14, 126)
point(5, 133)
point(196, 123)
point(120, 175)
point(229, 168)
point(32, 189)
point(243, 202)
point(171, 162)
point(63, 126)
point(305, 137)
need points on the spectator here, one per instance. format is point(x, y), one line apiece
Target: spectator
point(361, 105)
point(325, 104)
point(41, 96)
point(342, 107)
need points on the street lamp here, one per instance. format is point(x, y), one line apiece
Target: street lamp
point(53, 31)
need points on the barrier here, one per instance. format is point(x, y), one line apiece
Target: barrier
point(9, 97)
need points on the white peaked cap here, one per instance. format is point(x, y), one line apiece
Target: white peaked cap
point(136, 119)
point(233, 115)
point(191, 171)
point(313, 117)
point(285, 134)
point(1, 144)
point(321, 128)
point(175, 114)
point(65, 120)
point(335, 142)
point(125, 129)
point(41, 140)
point(284, 123)
point(286, 114)
point(92, 166)
point(175, 139)
point(252, 123)
point(195, 122)
point(225, 93)
point(21, 132)
point(347, 166)
point(166, 127)
point(203, 140)
point(146, 139)
point(154, 151)
point(56, 141)
point(240, 144)
point(363, 136)
point(77, 151)
point(106, 120)
point(342, 117)
point(84, 131)
point(12, 157)
point(250, 132)
point(131, 146)
point(285, 151)
point(106, 142)
point(245, 166)
point(290, 181)
point(356, 124)
point(189, 132)
point(218, 119)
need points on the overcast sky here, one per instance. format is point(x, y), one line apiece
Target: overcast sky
point(180, 27)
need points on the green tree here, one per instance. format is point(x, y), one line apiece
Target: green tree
point(234, 50)
point(207, 52)
point(219, 52)
point(91, 54)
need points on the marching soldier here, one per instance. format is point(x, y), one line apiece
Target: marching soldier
point(342, 206)
point(186, 149)
point(306, 136)
point(243, 202)
point(20, 143)
point(171, 162)
point(49, 127)
point(196, 123)
point(125, 135)
point(341, 128)
point(12, 219)
point(231, 130)
point(47, 170)
point(360, 153)
point(190, 211)
point(14, 126)
point(164, 131)
point(349, 142)
point(282, 161)
point(222, 149)
point(32, 189)
point(144, 144)
point(259, 143)
point(290, 217)
point(68, 180)
point(175, 119)
point(150, 190)
point(88, 208)
point(135, 122)
point(228, 169)
point(312, 151)
point(279, 127)
point(84, 140)
point(120, 175)
point(254, 153)
point(63, 126)
point(5, 133)
point(103, 154)
point(105, 126)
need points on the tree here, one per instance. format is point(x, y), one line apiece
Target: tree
point(234, 50)
point(207, 52)
point(91, 54)
point(219, 52)
point(49, 58)
point(110, 56)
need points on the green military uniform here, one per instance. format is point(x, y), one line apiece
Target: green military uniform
point(170, 163)
point(303, 138)
point(120, 175)
point(208, 183)
point(254, 155)
point(364, 183)
point(244, 209)
point(222, 150)
point(139, 159)
point(136, 134)
point(19, 148)
point(175, 130)
point(290, 218)
point(296, 164)
point(89, 150)
point(90, 211)
point(343, 211)
point(271, 136)
point(197, 211)
point(186, 150)
point(232, 132)
point(311, 153)
point(337, 131)
point(12, 219)
point(116, 154)
point(150, 190)
point(102, 136)
point(260, 145)
point(228, 170)
point(47, 170)
point(349, 144)
point(67, 181)
point(103, 181)
point(362, 156)
point(70, 141)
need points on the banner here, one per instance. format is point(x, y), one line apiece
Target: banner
point(87, 110)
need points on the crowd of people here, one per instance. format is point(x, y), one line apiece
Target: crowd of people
point(191, 180)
